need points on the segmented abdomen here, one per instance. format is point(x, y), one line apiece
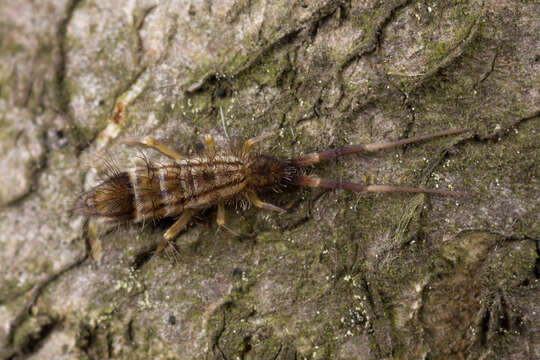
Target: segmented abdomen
point(152, 191)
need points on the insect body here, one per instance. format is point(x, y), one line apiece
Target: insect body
point(185, 186)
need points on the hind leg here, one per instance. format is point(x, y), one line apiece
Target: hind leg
point(153, 144)
point(210, 146)
point(173, 231)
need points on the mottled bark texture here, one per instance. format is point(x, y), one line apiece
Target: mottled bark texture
point(339, 276)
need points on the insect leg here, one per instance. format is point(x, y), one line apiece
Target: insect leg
point(210, 147)
point(313, 158)
point(154, 144)
point(249, 143)
point(313, 181)
point(171, 232)
point(221, 219)
point(252, 196)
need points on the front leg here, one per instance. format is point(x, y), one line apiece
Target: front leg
point(249, 143)
point(254, 199)
point(220, 219)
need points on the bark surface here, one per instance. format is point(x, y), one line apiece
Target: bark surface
point(339, 276)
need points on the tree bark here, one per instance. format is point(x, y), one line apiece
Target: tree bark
point(339, 276)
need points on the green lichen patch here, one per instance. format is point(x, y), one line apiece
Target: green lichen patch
point(32, 332)
point(427, 37)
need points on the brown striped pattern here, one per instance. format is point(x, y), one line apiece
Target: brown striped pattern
point(196, 183)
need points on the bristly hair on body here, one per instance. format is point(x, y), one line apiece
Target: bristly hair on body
point(183, 186)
